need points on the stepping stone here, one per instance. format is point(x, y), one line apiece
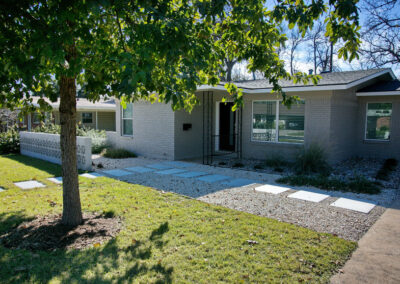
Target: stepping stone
point(271, 189)
point(191, 174)
point(29, 184)
point(159, 166)
point(171, 171)
point(2, 189)
point(139, 169)
point(91, 175)
point(359, 206)
point(308, 196)
point(178, 164)
point(57, 180)
point(238, 182)
point(117, 173)
point(213, 178)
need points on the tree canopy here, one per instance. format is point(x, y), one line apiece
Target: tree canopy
point(132, 49)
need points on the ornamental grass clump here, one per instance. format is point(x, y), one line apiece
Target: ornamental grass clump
point(312, 160)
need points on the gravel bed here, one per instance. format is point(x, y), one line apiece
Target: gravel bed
point(320, 216)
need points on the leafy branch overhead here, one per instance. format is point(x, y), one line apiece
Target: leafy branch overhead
point(135, 49)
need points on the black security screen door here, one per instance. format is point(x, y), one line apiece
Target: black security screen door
point(226, 127)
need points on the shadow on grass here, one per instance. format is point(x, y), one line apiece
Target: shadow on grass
point(111, 263)
point(52, 169)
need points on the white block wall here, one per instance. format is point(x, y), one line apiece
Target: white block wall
point(47, 147)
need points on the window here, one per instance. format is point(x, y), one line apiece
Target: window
point(36, 118)
point(274, 122)
point(87, 117)
point(378, 121)
point(127, 120)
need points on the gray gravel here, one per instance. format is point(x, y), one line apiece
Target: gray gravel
point(320, 216)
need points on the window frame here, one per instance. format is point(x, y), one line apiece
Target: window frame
point(276, 124)
point(366, 122)
point(87, 112)
point(122, 122)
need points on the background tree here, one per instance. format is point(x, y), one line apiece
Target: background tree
point(381, 33)
point(133, 49)
point(321, 49)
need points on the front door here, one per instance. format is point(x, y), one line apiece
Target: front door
point(226, 127)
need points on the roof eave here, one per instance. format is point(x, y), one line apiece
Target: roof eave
point(305, 88)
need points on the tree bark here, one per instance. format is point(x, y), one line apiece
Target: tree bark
point(72, 211)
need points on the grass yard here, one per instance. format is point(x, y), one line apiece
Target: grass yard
point(166, 237)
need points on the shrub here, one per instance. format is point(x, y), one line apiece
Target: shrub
point(276, 161)
point(359, 184)
point(99, 137)
point(48, 128)
point(238, 165)
point(117, 153)
point(9, 141)
point(312, 160)
point(258, 167)
point(388, 166)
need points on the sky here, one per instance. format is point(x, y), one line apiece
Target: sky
point(302, 57)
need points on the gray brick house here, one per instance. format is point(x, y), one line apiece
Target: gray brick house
point(353, 113)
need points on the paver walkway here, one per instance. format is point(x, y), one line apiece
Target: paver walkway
point(377, 259)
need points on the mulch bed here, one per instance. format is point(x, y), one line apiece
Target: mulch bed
point(47, 233)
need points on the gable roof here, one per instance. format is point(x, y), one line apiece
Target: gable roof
point(388, 88)
point(105, 104)
point(329, 81)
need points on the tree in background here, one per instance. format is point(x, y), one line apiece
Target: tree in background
point(381, 33)
point(133, 49)
point(321, 49)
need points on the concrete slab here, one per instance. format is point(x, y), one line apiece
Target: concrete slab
point(117, 173)
point(140, 170)
point(377, 258)
point(91, 175)
point(159, 166)
point(57, 180)
point(171, 171)
point(308, 196)
point(355, 205)
point(191, 174)
point(269, 188)
point(213, 178)
point(178, 164)
point(238, 182)
point(30, 184)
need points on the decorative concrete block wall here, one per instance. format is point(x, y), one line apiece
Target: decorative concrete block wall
point(47, 147)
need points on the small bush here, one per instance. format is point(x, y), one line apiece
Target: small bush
point(258, 167)
point(237, 165)
point(276, 161)
point(359, 184)
point(388, 166)
point(312, 160)
point(9, 141)
point(117, 153)
point(222, 163)
point(48, 128)
point(99, 137)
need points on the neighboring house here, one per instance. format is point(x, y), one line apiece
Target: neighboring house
point(355, 113)
point(99, 115)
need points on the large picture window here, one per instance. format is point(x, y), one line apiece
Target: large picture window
point(378, 121)
point(274, 122)
point(127, 120)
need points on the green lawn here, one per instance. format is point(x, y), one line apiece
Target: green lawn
point(166, 238)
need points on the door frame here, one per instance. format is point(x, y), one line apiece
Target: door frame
point(217, 123)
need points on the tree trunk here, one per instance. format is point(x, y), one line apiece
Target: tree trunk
point(72, 212)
